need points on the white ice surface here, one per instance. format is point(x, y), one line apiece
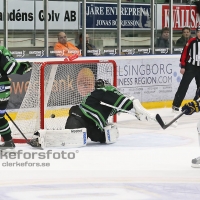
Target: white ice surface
point(147, 163)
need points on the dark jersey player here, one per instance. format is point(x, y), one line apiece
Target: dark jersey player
point(93, 116)
point(8, 65)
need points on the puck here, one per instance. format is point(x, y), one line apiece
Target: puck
point(52, 116)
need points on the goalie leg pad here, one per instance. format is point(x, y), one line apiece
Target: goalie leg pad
point(63, 138)
point(111, 133)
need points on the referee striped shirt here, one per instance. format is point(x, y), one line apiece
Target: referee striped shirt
point(191, 52)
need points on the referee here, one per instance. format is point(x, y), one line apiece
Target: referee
point(190, 68)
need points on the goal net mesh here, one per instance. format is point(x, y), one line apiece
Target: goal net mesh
point(65, 84)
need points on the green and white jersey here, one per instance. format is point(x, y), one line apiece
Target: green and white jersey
point(98, 113)
point(8, 65)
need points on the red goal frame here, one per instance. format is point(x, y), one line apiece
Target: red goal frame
point(42, 69)
point(42, 89)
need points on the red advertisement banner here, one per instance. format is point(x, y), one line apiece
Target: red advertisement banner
point(183, 16)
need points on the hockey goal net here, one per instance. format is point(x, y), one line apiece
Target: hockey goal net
point(53, 88)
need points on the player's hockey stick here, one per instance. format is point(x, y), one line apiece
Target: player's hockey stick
point(163, 125)
point(27, 141)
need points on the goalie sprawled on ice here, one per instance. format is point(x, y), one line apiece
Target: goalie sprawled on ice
point(92, 114)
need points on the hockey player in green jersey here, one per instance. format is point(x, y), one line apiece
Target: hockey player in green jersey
point(93, 116)
point(8, 65)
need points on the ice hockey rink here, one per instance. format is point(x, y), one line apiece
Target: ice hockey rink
point(146, 163)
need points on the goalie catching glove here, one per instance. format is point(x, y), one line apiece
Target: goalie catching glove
point(141, 113)
point(27, 66)
point(190, 108)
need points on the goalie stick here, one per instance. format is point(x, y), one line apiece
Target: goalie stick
point(134, 113)
point(119, 109)
point(163, 125)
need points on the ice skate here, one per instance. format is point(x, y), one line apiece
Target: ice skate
point(7, 146)
point(196, 162)
point(175, 109)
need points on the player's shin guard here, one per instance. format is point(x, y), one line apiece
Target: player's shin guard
point(111, 133)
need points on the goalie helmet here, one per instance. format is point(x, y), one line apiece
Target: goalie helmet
point(101, 83)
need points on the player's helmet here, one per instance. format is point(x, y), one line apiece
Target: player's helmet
point(101, 83)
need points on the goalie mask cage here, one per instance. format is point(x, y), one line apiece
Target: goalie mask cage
point(53, 88)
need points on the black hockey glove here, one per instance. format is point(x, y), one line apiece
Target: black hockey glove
point(27, 67)
point(190, 107)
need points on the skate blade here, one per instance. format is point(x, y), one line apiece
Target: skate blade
point(195, 165)
point(8, 150)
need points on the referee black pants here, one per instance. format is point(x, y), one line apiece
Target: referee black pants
point(191, 72)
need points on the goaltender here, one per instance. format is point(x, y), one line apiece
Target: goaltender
point(89, 119)
point(93, 115)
